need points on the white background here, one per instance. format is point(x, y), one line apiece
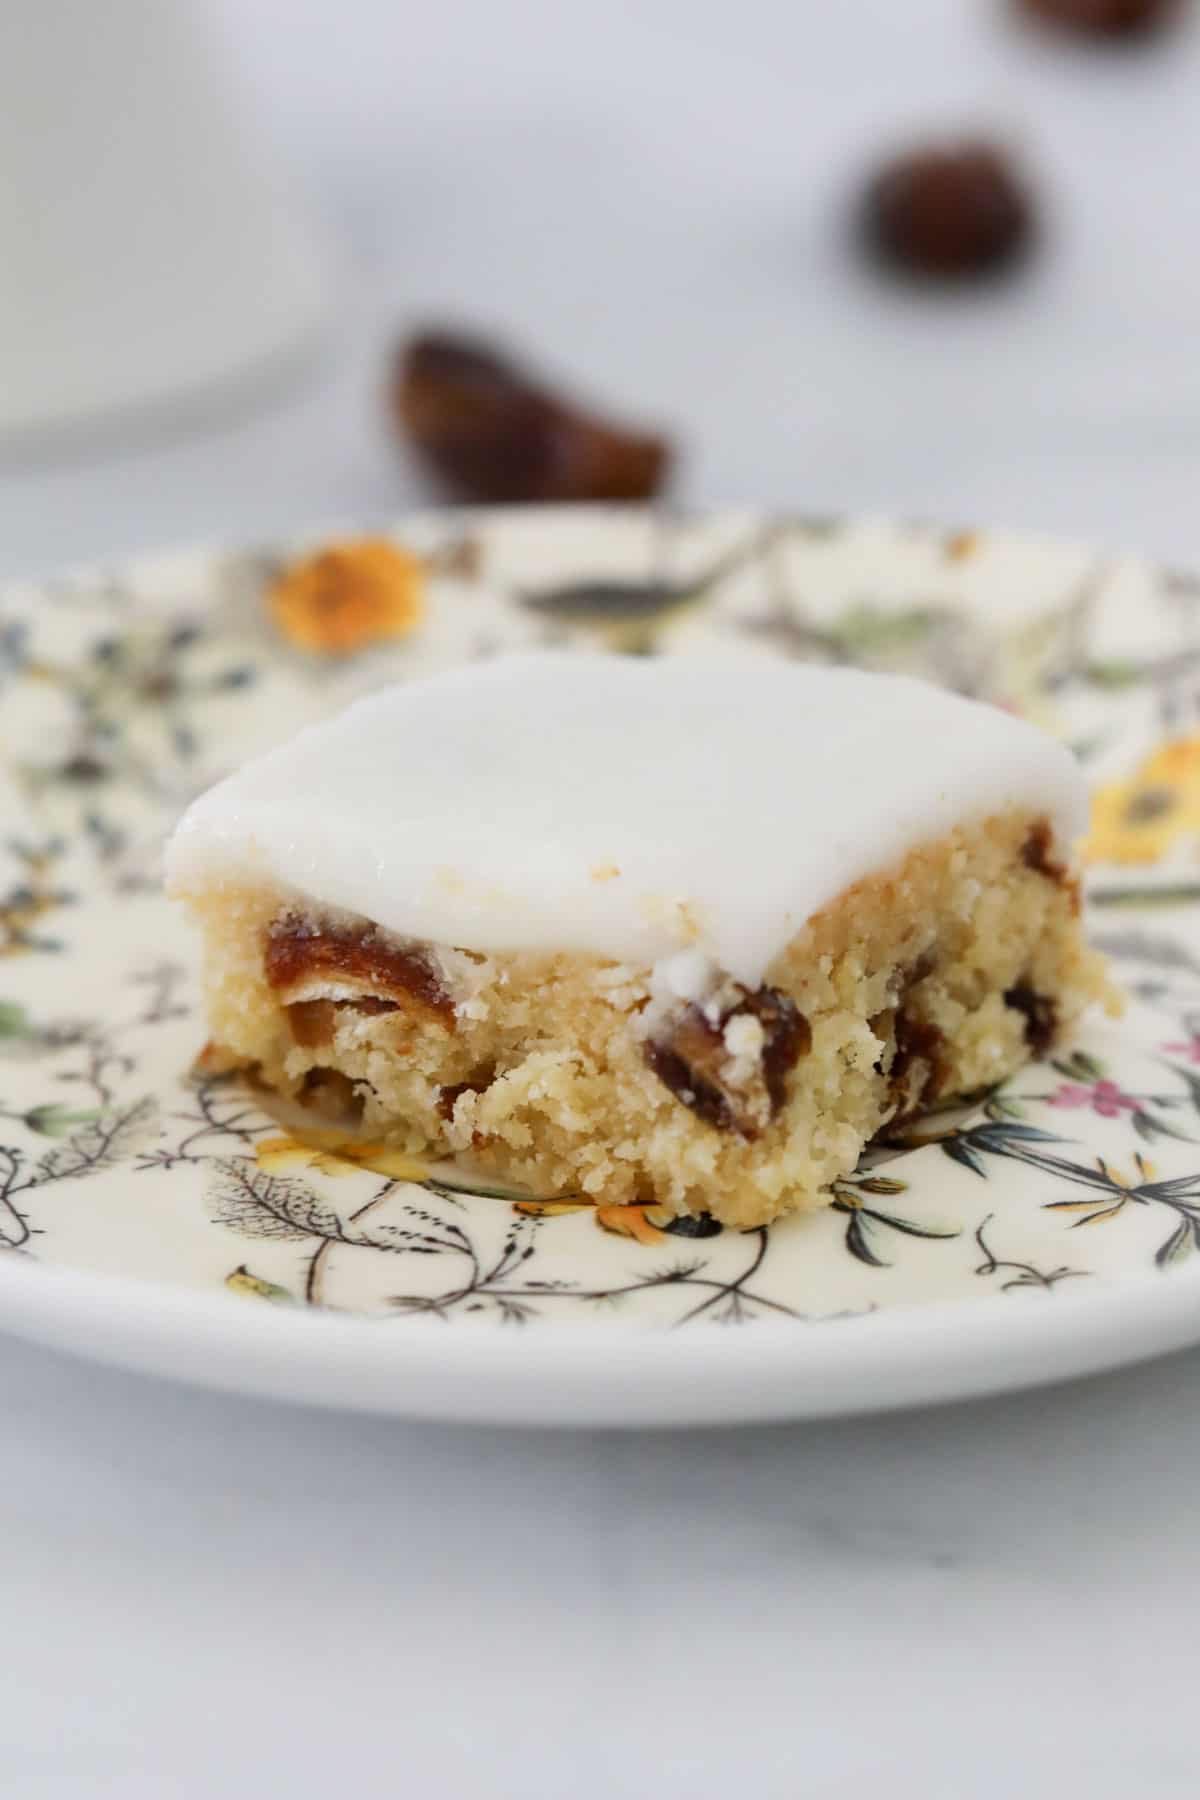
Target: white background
point(203, 1596)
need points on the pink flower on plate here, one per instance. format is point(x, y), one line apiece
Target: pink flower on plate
point(1190, 1048)
point(1104, 1097)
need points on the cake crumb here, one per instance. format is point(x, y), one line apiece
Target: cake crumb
point(744, 1036)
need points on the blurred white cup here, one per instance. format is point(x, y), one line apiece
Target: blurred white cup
point(148, 252)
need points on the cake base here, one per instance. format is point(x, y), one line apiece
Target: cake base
point(674, 1085)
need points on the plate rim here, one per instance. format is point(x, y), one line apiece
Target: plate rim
point(586, 1374)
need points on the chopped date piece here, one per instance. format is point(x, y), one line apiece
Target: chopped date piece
point(1104, 18)
point(1040, 1014)
point(331, 1094)
point(952, 211)
point(1035, 853)
point(296, 953)
point(694, 1062)
point(490, 431)
point(448, 1098)
point(690, 1064)
point(917, 1072)
point(368, 1005)
point(476, 1083)
point(787, 1037)
point(313, 1022)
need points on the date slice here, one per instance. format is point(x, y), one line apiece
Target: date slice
point(695, 1063)
point(917, 1074)
point(297, 956)
point(490, 431)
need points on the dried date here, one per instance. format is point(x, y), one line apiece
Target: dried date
point(953, 211)
point(488, 430)
point(1040, 1014)
point(694, 1062)
point(295, 953)
point(1114, 19)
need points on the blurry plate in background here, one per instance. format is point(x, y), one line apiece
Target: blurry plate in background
point(159, 1219)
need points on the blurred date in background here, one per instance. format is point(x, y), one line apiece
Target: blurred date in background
point(932, 258)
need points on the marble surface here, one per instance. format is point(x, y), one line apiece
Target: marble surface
point(205, 1596)
point(209, 1596)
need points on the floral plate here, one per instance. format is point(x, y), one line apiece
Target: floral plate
point(151, 1213)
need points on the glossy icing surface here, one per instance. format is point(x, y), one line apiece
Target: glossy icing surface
point(623, 806)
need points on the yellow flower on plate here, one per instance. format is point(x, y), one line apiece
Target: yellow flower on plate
point(960, 545)
point(332, 1153)
point(348, 596)
point(1142, 819)
point(629, 1221)
point(639, 1221)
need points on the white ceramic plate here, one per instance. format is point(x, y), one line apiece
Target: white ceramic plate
point(159, 1219)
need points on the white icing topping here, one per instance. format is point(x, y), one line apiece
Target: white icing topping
point(688, 975)
point(681, 809)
